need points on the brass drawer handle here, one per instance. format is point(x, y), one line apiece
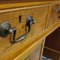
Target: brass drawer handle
point(5, 29)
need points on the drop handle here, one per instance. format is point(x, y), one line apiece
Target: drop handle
point(6, 29)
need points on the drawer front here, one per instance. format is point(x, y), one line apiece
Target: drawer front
point(14, 17)
point(53, 15)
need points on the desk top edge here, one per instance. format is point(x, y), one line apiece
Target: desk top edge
point(22, 4)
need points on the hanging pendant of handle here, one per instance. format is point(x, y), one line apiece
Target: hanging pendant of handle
point(6, 29)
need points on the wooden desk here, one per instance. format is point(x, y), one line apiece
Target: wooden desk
point(16, 14)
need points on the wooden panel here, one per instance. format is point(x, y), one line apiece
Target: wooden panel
point(37, 54)
point(42, 49)
point(39, 15)
point(52, 15)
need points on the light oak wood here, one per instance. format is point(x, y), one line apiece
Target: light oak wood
point(42, 35)
point(37, 54)
point(52, 15)
point(22, 4)
point(41, 12)
point(13, 18)
point(42, 49)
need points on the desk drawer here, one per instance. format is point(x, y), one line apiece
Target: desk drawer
point(17, 18)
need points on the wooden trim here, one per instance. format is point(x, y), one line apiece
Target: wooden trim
point(22, 8)
point(48, 15)
point(42, 48)
point(52, 50)
point(16, 5)
point(28, 51)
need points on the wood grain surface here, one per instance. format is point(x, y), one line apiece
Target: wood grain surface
point(20, 1)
